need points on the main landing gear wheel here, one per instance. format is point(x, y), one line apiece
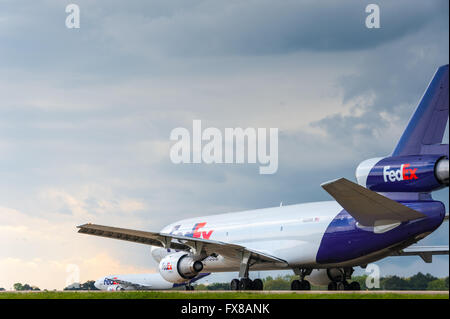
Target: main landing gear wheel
point(234, 285)
point(300, 285)
point(339, 276)
point(257, 284)
point(295, 285)
point(246, 284)
point(343, 285)
point(332, 285)
point(354, 285)
point(189, 288)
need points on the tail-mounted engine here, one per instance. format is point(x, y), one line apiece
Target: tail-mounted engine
point(418, 173)
point(179, 267)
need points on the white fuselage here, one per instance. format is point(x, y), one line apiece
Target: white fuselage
point(292, 233)
point(152, 281)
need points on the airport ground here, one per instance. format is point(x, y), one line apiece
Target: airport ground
point(226, 295)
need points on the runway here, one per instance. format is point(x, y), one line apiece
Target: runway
point(266, 292)
point(313, 292)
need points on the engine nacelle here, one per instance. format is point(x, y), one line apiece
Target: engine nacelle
point(322, 277)
point(115, 288)
point(179, 267)
point(158, 253)
point(418, 173)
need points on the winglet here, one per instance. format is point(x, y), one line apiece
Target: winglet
point(368, 207)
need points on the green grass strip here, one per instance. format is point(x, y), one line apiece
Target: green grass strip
point(214, 295)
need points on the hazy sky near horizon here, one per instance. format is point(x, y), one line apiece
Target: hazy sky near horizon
point(86, 116)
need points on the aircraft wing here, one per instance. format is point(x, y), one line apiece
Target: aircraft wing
point(368, 207)
point(425, 252)
point(198, 245)
point(128, 284)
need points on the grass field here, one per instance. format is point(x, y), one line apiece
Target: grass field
point(222, 295)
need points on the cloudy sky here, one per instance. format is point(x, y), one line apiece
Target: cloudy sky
point(86, 115)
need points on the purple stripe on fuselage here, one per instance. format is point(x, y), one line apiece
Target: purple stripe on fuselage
point(343, 240)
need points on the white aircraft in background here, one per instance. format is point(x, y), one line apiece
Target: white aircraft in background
point(152, 281)
point(390, 209)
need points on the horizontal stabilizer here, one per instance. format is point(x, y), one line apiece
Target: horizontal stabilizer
point(425, 252)
point(368, 207)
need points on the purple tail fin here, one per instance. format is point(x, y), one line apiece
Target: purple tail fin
point(425, 129)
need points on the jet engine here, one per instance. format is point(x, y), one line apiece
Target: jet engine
point(442, 171)
point(414, 173)
point(179, 267)
point(115, 288)
point(322, 277)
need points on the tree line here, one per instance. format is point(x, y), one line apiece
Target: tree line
point(417, 282)
point(88, 285)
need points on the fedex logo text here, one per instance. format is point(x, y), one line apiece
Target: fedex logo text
point(166, 266)
point(109, 282)
point(196, 232)
point(401, 174)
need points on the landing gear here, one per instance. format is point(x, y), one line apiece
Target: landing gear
point(332, 285)
point(234, 285)
point(301, 284)
point(189, 288)
point(257, 284)
point(338, 285)
point(344, 285)
point(246, 284)
point(339, 276)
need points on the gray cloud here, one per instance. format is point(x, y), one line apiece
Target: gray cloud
point(387, 85)
point(138, 37)
point(262, 27)
point(86, 115)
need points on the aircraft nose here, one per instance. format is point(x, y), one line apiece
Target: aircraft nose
point(98, 284)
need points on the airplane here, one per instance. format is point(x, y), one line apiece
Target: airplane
point(152, 281)
point(385, 213)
